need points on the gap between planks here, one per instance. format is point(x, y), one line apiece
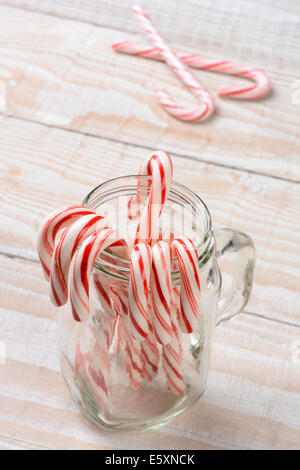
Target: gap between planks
point(112, 139)
point(20, 257)
point(148, 147)
point(16, 441)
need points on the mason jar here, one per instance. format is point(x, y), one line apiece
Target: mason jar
point(123, 384)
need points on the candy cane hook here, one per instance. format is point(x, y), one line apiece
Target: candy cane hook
point(201, 112)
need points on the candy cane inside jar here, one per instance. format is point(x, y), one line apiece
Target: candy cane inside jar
point(159, 369)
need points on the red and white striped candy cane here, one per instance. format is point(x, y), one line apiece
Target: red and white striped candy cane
point(159, 166)
point(84, 365)
point(98, 370)
point(132, 357)
point(172, 353)
point(173, 365)
point(258, 89)
point(150, 355)
point(102, 293)
point(140, 268)
point(101, 366)
point(80, 360)
point(188, 264)
point(117, 337)
point(65, 249)
point(120, 248)
point(81, 270)
point(201, 112)
point(56, 221)
point(161, 291)
point(147, 169)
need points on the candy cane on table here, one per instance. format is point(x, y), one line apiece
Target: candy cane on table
point(140, 268)
point(258, 89)
point(201, 112)
point(161, 291)
point(188, 265)
point(159, 166)
point(81, 269)
point(64, 250)
point(49, 229)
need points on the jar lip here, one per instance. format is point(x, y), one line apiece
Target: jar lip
point(182, 189)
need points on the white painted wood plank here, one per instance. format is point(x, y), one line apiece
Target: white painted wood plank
point(252, 398)
point(69, 77)
point(43, 169)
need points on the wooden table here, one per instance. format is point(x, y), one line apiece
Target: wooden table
point(77, 114)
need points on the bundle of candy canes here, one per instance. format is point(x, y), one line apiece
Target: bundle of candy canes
point(144, 320)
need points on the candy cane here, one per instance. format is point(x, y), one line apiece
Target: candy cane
point(64, 250)
point(102, 295)
point(150, 354)
point(140, 268)
point(173, 366)
point(259, 89)
point(206, 108)
point(161, 291)
point(103, 329)
point(120, 248)
point(80, 360)
point(85, 364)
point(49, 228)
point(83, 263)
point(147, 170)
point(132, 359)
point(101, 366)
point(186, 253)
point(117, 337)
point(159, 166)
point(172, 353)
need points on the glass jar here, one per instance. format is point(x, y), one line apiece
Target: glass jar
point(106, 374)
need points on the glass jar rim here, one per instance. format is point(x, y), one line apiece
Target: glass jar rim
point(205, 242)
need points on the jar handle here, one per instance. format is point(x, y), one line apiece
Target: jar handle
point(237, 296)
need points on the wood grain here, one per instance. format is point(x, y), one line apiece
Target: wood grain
point(47, 168)
point(252, 399)
point(259, 30)
point(69, 77)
